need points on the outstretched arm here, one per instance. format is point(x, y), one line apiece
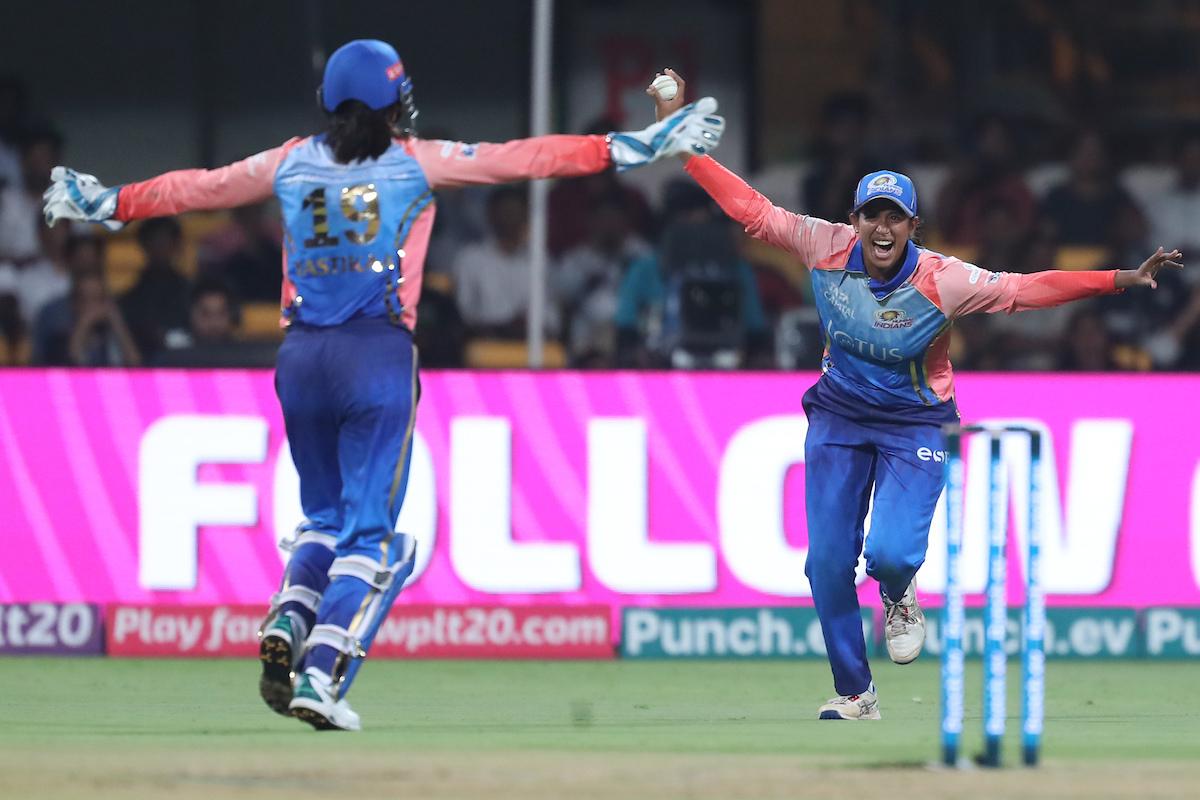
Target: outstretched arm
point(448, 164)
point(241, 183)
point(692, 129)
point(960, 288)
point(75, 196)
point(813, 240)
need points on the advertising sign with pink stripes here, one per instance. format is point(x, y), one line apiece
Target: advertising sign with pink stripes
point(621, 489)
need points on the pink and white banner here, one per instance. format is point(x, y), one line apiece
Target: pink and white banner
point(163, 487)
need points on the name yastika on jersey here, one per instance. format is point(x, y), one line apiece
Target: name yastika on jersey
point(340, 265)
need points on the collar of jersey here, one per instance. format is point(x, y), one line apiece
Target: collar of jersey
point(882, 290)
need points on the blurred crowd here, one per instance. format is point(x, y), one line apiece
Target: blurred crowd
point(634, 281)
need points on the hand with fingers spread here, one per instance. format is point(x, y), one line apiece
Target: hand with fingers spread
point(1147, 273)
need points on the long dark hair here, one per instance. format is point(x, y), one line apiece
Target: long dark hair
point(357, 132)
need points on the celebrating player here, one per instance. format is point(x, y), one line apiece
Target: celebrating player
point(875, 416)
point(358, 208)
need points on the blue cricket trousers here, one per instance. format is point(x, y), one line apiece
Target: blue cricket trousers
point(348, 395)
point(844, 460)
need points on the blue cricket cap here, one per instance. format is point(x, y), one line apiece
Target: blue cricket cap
point(889, 185)
point(366, 70)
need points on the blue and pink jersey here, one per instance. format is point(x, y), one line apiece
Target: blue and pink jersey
point(357, 234)
point(887, 344)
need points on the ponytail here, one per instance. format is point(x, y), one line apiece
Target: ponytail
point(357, 132)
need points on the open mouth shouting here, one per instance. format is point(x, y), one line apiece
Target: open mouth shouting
point(883, 249)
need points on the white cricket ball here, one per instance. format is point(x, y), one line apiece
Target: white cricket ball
point(665, 87)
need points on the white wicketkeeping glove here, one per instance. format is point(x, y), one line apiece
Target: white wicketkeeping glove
point(694, 129)
point(75, 196)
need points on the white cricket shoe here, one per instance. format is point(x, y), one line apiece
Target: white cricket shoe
point(854, 706)
point(904, 625)
point(313, 703)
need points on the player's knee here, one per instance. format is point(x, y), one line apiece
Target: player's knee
point(886, 559)
point(824, 565)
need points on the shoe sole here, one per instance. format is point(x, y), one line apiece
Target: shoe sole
point(314, 718)
point(908, 660)
point(275, 685)
point(836, 715)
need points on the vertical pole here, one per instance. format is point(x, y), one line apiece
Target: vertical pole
point(996, 610)
point(539, 125)
point(1033, 660)
point(952, 610)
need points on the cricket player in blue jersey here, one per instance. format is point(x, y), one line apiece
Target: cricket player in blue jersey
point(886, 388)
point(358, 209)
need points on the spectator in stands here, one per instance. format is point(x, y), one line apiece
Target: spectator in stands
point(1086, 209)
point(21, 203)
point(41, 279)
point(14, 117)
point(1020, 341)
point(1176, 345)
point(246, 254)
point(840, 157)
point(83, 254)
point(491, 278)
point(587, 278)
point(1174, 214)
point(572, 202)
point(156, 306)
point(1130, 323)
point(97, 336)
point(988, 177)
point(441, 338)
point(694, 301)
point(213, 320)
point(1086, 345)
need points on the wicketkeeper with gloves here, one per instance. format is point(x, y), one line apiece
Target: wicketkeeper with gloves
point(358, 208)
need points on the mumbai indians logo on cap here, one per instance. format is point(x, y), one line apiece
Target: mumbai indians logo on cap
point(884, 184)
point(892, 185)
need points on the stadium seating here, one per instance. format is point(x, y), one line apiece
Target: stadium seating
point(124, 256)
point(506, 354)
point(1080, 258)
point(260, 322)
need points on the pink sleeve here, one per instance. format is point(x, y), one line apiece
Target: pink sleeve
point(960, 288)
point(456, 164)
point(813, 240)
point(248, 181)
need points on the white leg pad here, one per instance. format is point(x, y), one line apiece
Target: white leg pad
point(309, 598)
point(301, 537)
point(337, 637)
point(365, 569)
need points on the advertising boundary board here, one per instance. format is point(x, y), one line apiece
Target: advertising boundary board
point(159, 487)
point(410, 631)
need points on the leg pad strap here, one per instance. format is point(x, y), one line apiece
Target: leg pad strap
point(366, 570)
point(338, 638)
point(309, 598)
point(302, 537)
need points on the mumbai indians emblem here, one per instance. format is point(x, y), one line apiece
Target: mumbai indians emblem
point(886, 184)
point(892, 319)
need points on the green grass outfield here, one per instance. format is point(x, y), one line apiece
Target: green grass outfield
point(99, 728)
